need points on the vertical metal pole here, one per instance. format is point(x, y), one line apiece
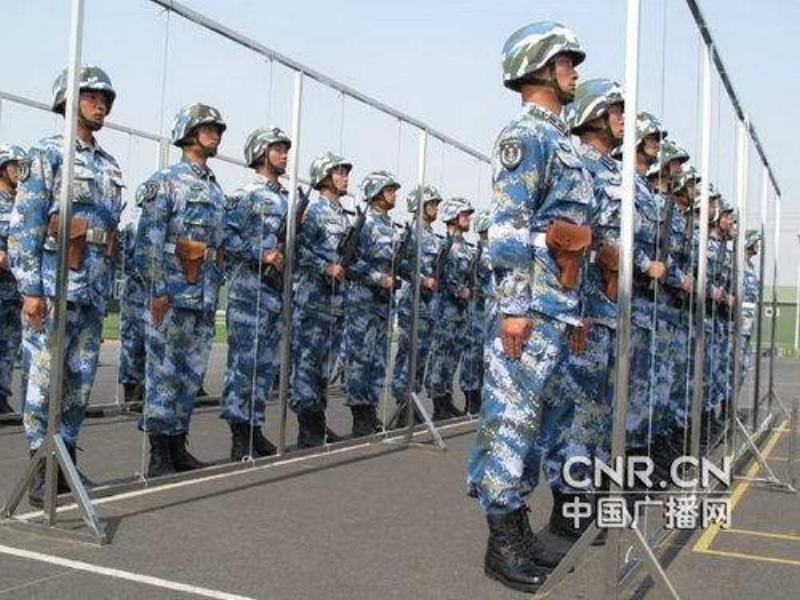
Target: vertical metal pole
point(775, 259)
point(742, 168)
point(702, 251)
point(411, 385)
point(288, 263)
point(623, 342)
point(62, 271)
point(797, 305)
point(162, 156)
point(762, 270)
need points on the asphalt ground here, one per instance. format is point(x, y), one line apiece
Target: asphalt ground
point(380, 520)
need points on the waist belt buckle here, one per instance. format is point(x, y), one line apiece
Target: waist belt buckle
point(210, 254)
point(97, 236)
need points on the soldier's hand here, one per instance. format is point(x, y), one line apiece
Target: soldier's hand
point(158, 309)
point(387, 282)
point(273, 257)
point(657, 270)
point(716, 294)
point(515, 331)
point(731, 301)
point(3, 260)
point(465, 293)
point(335, 271)
point(687, 284)
point(429, 283)
point(35, 310)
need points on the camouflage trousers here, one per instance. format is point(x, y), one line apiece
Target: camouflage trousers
point(253, 360)
point(84, 327)
point(711, 361)
point(365, 352)
point(132, 327)
point(644, 409)
point(585, 427)
point(680, 393)
point(316, 340)
point(514, 392)
point(450, 341)
point(177, 355)
point(745, 358)
point(10, 342)
point(723, 373)
point(470, 376)
point(425, 328)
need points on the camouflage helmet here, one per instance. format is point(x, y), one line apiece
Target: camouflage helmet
point(668, 152)
point(322, 166)
point(375, 182)
point(592, 100)
point(713, 196)
point(687, 175)
point(647, 124)
point(259, 141)
point(428, 193)
point(752, 237)
point(481, 221)
point(533, 46)
point(10, 153)
point(90, 78)
point(190, 117)
point(452, 207)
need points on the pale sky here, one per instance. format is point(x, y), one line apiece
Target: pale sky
point(438, 61)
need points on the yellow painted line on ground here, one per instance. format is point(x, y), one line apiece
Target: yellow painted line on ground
point(755, 557)
point(709, 534)
point(766, 534)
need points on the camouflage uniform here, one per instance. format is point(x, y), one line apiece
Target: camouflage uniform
point(180, 203)
point(451, 317)
point(134, 303)
point(97, 198)
point(429, 249)
point(749, 306)
point(368, 303)
point(318, 300)
point(535, 165)
point(471, 371)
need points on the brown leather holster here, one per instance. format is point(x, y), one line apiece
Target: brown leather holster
point(77, 239)
point(111, 245)
point(580, 335)
point(568, 243)
point(191, 254)
point(607, 261)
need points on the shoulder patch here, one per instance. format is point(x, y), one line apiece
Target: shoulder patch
point(511, 152)
point(147, 191)
point(23, 170)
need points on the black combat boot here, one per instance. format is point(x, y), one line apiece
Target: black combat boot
point(160, 456)
point(440, 410)
point(451, 408)
point(563, 529)
point(261, 445)
point(310, 429)
point(5, 407)
point(133, 395)
point(240, 441)
point(537, 549)
point(36, 492)
point(507, 555)
point(331, 437)
point(472, 402)
point(365, 421)
point(402, 418)
point(181, 457)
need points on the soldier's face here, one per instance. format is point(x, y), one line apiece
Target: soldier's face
point(566, 74)
point(209, 137)
point(651, 145)
point(464, 219)
point(93, 106)
point(390, 196)
point(616, 120)
point(691, 191)
point(340, 178)
point(278, 156)
point(431, 210)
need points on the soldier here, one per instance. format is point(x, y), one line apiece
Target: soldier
point(430, 245)
point(369, 301)
point(319, 298)
point(478, 312)
point(749, 301)
point(253, 220)
point(597, 117)
point(451, 317)
point(11, 159)
point(649, 271)
point(132, 320)
point(33, 245)
point(179, 249)
point(541, 203)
